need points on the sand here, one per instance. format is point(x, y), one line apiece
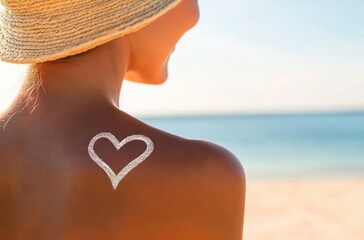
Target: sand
point(324, 209)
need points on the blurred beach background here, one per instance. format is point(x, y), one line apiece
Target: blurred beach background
point(281, 85)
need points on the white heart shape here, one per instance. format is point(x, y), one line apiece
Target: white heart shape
point(115, 179)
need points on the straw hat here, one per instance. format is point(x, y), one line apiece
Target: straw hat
point(34, 31)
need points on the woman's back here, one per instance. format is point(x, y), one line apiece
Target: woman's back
point(50, 188)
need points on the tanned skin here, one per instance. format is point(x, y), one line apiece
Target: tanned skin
point(51, 189)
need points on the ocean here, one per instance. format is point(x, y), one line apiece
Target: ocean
point(280, 145)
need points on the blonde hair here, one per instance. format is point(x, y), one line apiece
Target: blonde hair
point(32, 85)
point(27, 94)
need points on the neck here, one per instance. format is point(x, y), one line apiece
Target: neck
point(95, 76)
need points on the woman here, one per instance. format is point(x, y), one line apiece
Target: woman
point(51, 185)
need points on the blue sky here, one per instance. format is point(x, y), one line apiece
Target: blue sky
point(261, 56)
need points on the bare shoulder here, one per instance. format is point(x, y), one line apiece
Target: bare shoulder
point(221, 168)
point(220, 158)
point(213, 189)
point(222, 194)
point(210, 158)
point(206, 158)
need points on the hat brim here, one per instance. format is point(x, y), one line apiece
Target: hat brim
point(33, 38)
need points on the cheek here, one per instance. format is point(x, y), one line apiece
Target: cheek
point(156, 41)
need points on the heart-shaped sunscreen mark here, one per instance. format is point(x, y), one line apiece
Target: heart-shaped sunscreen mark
point(115, 179)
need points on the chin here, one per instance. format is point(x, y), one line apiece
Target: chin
point(160, 78)
point(151, 78)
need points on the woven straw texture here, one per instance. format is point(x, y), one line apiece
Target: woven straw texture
point(34, 31)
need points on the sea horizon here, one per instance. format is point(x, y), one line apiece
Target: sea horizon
point(280, 145)
point(251, 114)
